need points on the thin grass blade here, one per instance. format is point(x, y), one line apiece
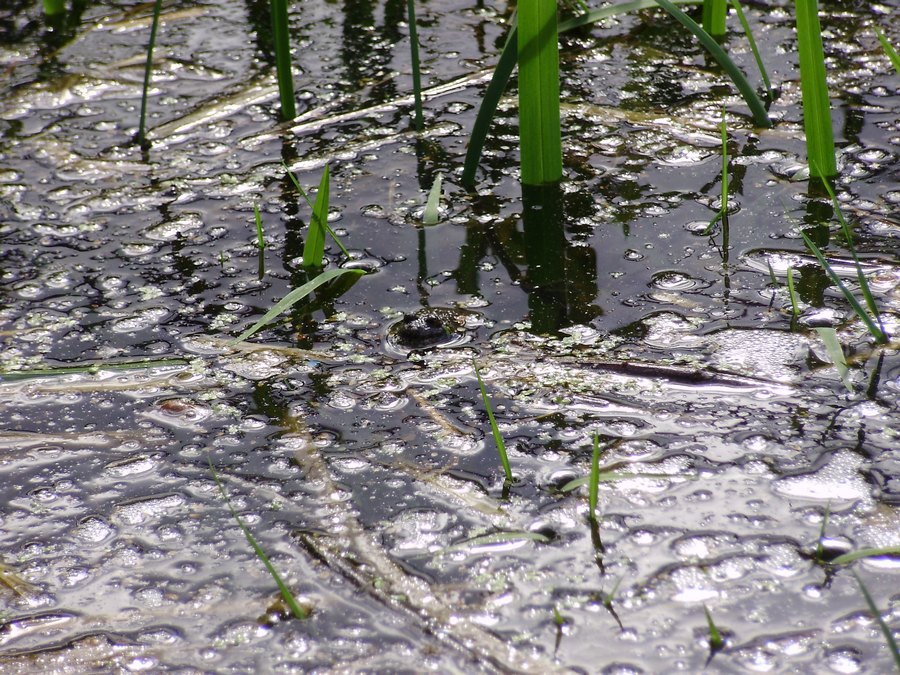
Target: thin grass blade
point(314, 247)
point(296, 609)
point(757, 108)
point(148, 70)
point(889, 50)
point(260, 240)
point(854, 304)
point(283, 73)
point(414, 58)
point(495, 430)
point(836, 354)
point(594, 485)
point(292, 299)
point(716, 642)
point(714, 12)
point(763, 73)
point(792, 293)
point(816, 105)
point(862, 553)
point(54, 7)
point(498, 538)
point(334, 237)
point(885, 629)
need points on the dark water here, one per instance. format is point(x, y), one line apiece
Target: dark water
point(366, 468)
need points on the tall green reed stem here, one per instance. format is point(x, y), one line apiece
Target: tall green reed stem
point(714, 12)
point(539, 130)
point(283, 58)
point(54, 7)
point(148, 69)
point(816, 106)
point(414, 58)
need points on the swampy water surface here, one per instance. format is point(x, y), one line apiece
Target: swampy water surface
point(354, 443)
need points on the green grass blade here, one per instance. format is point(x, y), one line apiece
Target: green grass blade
point(54, 7)
point(820, 544)
point(148, 70)
point(334, 237)
point(285, 78)
point(716, 642)
point(414, 58)
point(594, 485)
point(848, 237)
point(792, 293)
point(836, 353)
point(889, 50)
point(760, 116)
point(540, 141)
point(495, 430)
point(498, 538)
point(816, 106)
point(714, 12)
point(507, 63)
point(314, 247)
point(260, 241)
point(763, 73)
point(885, 629)
point(292, 299)
point(862, 553)
point(432, 214)
point(286, 595)
point(723, 208)
point(857, 308)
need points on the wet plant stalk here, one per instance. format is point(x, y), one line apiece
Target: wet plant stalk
point(539, 130)
point(816, 106)
point(54, 7)
point(414, 58)
point(594, 485)
point(148, 70)
point(283, 58)
point(714, 12)
point(495, 430)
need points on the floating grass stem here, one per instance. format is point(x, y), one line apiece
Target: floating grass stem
point(540, 142)
point(885, 629)
point(283, 73)
point(148, 70)
point(495, 430)
point(414, 59)
point(816, 106)
point(296, 609)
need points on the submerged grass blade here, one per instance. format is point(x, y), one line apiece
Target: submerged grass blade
point(816, 106)
point(314, 247)
point(763, 73)
point(414, 58)
point(288, 597)
point(540, 142)
point(432, 213)
point(889, 50)
point(862, 553)
point(148, 70)
point(495, 430)
point(283, 73)
point(292, 299)
point(760, 116)
point(854, 303)
point(885, 629)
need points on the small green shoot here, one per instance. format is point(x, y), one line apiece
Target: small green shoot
point(792, 293)
point(594, 486)
point(889, 50)
point(288, 597)
point(857, 308)
point(283, 73)
point(885, 629)
point(813, 85)
point(432, 214)
point(495, 430)
point(292, 299)
point(314, 247)
point(836, 353)
point(722, 214)
point(558, 618)
point(260, 240)
point(148, 70)
point(820, 544)
point(752, 42)
point(414, 58)
point(716, 641)
point(305, 196)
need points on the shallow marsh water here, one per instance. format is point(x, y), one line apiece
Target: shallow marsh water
point(366, 470)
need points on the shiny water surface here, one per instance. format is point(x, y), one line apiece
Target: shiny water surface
point(351, 435)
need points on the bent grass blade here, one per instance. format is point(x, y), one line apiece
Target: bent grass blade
point(889, 50)
point(334, 237)
point(296, 609)
point(314, 247)
point(495, 430)
point(292, 299)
